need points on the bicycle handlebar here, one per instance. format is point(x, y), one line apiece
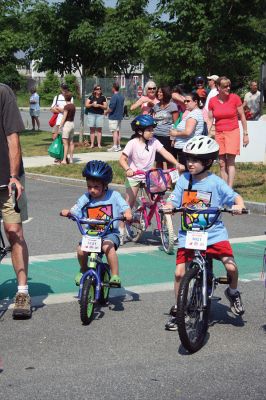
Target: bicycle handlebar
point(83, 221)
point(141, 172)
point(211, 210)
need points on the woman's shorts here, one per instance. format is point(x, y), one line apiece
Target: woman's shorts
point(229, 142)
point(166, 142)
point(68, 130)
point(9, 215)
point(114, 125)
point(34, 113)
point(216, 250)
point(95, 120)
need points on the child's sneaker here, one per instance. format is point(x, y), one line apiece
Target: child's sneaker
point(171, 325)
point(115, 281)
point(78, 278)
point(236, 304)
point(22, 306)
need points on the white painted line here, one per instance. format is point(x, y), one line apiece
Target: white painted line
point(127, 293)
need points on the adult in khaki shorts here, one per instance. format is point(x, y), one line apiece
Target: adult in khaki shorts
point(12, 172)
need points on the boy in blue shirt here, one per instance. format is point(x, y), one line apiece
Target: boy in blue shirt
point(101, 203)
point(201, 189)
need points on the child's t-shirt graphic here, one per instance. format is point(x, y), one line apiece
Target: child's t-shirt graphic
point(195, 199)
point(104, 212)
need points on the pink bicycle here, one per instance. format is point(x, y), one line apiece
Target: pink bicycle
point(152, 189)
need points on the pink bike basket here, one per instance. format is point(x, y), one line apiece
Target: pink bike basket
point(156, 182)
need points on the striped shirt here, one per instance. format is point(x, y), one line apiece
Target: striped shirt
point(198, 116)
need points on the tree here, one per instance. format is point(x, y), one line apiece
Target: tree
point(12, 39)
point(65, 38)
point(206, 37)
point(123, 35)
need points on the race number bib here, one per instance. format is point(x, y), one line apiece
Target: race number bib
point(91, 244)
point(174, 175)
point(196, 240)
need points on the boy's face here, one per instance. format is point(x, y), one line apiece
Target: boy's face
point(95, 187)
point(194, 165)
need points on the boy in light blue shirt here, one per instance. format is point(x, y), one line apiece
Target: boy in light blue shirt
point(199, 188)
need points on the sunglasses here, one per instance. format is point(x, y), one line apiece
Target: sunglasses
point(225, 86)
point(187, 101)
point(151, 88)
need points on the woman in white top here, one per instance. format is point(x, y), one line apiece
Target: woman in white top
point(191, 125)
point(148, 100)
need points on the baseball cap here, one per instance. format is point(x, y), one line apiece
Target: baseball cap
point(64, 86)
point(213, 77)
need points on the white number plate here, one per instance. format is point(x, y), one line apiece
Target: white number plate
point(196, 240)
point(91, 244)
point(174, 175)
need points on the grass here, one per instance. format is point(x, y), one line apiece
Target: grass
point(37, 143)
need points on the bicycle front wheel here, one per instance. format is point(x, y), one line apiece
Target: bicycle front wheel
point(87, 301)
point(192, 316)
point(167, 233)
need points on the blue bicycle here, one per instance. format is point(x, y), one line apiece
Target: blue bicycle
point(95, 282)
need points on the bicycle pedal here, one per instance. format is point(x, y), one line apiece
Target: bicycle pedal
point(223, 280)
point(156, 232)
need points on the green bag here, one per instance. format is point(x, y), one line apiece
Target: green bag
point(56, 148)
point(179, 119)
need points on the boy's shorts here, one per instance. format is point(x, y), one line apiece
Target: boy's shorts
point(114, 125)
point(113, 237)
point(216, 250)
point(229, 142)
point(9, 215)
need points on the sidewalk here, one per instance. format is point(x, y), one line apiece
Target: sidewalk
point(42, 161)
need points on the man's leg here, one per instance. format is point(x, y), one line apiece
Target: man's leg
point(20, 260)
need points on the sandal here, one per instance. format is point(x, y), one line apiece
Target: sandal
point(78, 278)
point(115, 281)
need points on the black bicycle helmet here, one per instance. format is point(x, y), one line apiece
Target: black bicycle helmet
point(98, 170)
point(199, 79)
point(141, 122)
point(201, 147)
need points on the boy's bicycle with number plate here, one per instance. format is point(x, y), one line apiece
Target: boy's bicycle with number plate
point(199, 282)
point(155, 183)
point(94, 284)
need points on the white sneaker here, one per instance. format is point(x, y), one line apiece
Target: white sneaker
point(112, 149)
point(118, 148)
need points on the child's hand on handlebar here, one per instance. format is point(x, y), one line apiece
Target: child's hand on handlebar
point(167, 208)
point(237, 209)
point(128, 215)
point(129, 172)
point(180, 167)
point(65, 213)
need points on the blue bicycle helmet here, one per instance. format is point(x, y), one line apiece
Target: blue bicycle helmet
point(142, 121)
point(98, 170)
point(199, 79)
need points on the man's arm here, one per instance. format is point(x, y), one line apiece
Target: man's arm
point(14, 152)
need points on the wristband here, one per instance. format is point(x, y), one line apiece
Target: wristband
point(14, 177)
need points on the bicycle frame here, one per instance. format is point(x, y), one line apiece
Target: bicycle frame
point(154, 210)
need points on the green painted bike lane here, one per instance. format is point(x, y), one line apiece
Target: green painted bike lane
point(136, 269)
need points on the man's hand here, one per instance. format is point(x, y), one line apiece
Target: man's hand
point(19, 187)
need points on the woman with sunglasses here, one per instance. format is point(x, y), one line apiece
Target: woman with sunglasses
point(95, 105)
point(148, 100)
point(226, 107)
point(191, 125)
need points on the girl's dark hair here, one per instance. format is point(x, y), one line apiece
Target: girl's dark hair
point(195, 97)
point(68, 96)
point(167, 93)
point(177, 89)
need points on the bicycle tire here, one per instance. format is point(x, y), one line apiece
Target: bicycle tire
point(105, 279)
point(87, 301)
point(136, 229)
point(192, 319)
point(167, 233)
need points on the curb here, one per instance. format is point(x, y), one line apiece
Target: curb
point(255, 208)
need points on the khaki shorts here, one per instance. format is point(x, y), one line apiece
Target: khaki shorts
point(68, 130)
point(9, 215)
point(114, 125)
point(131, 182)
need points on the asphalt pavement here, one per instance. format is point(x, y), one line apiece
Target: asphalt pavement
point(125, 352)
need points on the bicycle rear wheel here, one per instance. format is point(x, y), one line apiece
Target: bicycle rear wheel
point(167, 233)
point(192, 317)
point(137, 227)
point(87, 301)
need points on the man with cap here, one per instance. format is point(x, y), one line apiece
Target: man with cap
point(213, 92)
